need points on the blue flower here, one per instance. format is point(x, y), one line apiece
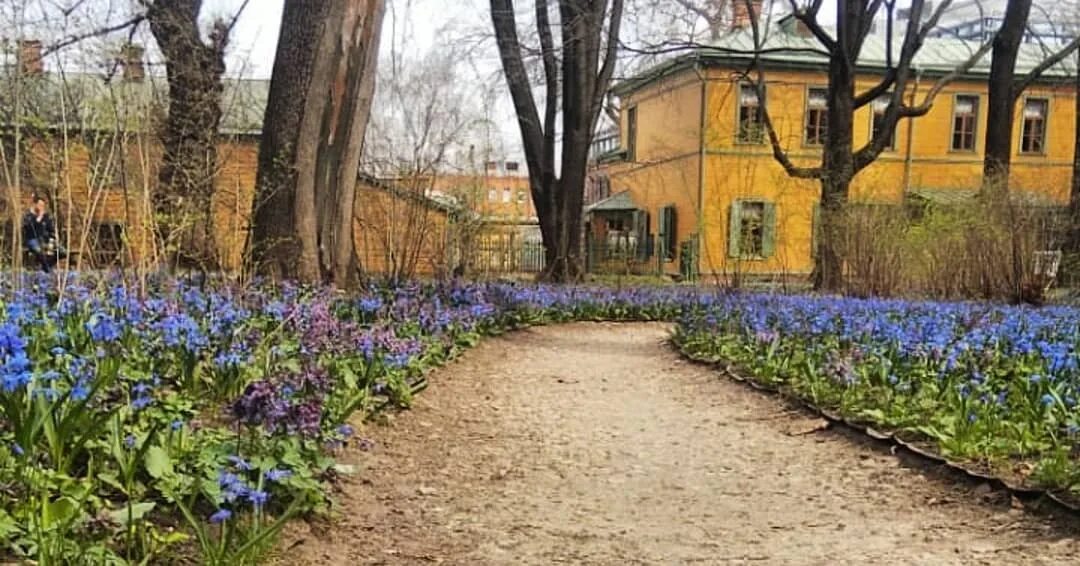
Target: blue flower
point(276, 475)
point(103, 328)
point(240, 463)
point(220, 516)
point(258, 498)
point(1048, 400)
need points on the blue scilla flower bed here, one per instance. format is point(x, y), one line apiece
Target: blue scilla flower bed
point(172, 419)
point(993, 388)
point(188, 419)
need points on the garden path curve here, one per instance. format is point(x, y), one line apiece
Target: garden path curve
point(597, 444)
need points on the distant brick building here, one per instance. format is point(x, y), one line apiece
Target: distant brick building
point(87, 141)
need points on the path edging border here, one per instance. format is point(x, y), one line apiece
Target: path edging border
point(1019, 491)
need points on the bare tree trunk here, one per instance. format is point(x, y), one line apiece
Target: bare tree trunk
point(1072, 238)
point(1002, 97)
point(320, 100)
point(189, 138)
point(838, 165)
point(581, 81)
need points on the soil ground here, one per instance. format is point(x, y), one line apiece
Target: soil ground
point(598, 444)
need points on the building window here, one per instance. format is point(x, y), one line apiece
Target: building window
point(506, 194)
point(880, 107)
point(521, 195)
point(631, 134)
point(965, 118)
point(512, 166)
point(751, 115)
point(1033, 137)
point(817, 116)
point(752, 226)
point(669, 233)
point(491, 166)
point(493, 195)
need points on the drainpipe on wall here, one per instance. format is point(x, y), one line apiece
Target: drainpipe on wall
point(702, 154)
point(910, 135)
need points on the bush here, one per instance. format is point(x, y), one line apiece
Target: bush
point(983, 249)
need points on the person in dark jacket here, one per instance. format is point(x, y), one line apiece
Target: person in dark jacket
point(39, 233)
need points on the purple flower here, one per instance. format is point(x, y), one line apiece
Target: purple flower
point(240, 463)
point(220, 516)
point(277, 475)
point(258, 498)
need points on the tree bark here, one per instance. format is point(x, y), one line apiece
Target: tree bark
point(182, 201)
point(578, 87)
point(1002, 96)
point(1073, 230)
point(320, 100)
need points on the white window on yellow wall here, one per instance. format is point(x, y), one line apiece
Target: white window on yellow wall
point(751, 115)
point(965, 118)
point(752, 229)
point(521, 195)
point(506, 194)
point(817, 116)
point(493, 195)
point(1033, 136)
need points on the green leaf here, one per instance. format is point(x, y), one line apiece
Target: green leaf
point(158, 463)
point(138, 511)
point(8, 525)
point(62, 510)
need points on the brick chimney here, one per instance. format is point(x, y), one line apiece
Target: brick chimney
point(131, 59)
point(29, 57)
point(741, 14)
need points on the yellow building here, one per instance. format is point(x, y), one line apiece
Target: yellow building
point(695, 180)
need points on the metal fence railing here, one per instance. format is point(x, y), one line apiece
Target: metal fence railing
point(501, 254)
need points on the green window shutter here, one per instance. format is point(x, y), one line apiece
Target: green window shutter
point(768, 231)
point(815, 230)
point(672, 232)
point(663, 230)
point(641, 218)
point(734, 228)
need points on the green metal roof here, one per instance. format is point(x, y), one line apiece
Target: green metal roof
point(617, 202)
point(782, 49)
point(89, 101)
point(958, 197)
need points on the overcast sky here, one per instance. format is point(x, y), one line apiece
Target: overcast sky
point(255, 37)
point(256, 34)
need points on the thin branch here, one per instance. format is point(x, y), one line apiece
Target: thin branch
point(72, 40)
point(808, 17)
point(236, 17)
point(610, 59)
point(1033, 75)
point(779, 154)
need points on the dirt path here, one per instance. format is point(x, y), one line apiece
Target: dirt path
point(596, 444)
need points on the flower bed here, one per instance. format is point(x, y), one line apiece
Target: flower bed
point(186, 420)
point(191, 420)
point(993, 388)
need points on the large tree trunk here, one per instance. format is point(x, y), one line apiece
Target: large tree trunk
point(581, 81)
point(838, 164)
point(1073, 229)
point(1002, 95)
point(182, 201)
point(320, 100)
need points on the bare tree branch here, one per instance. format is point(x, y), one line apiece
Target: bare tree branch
point(107, 30)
